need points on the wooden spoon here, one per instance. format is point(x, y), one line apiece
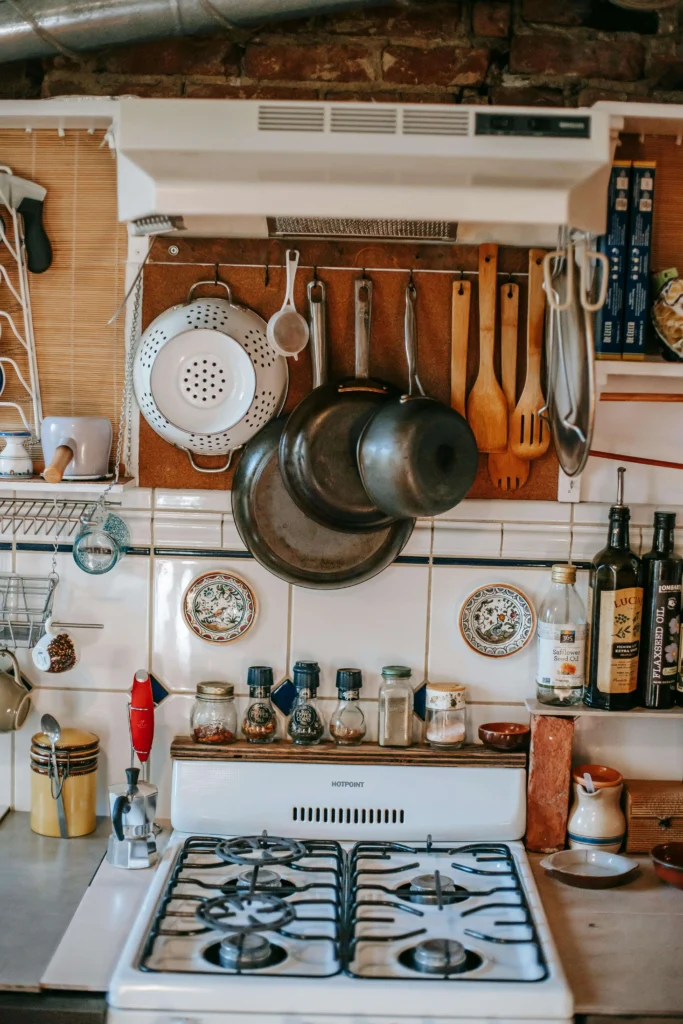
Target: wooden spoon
point(529, 435)
point(460, 331)
point(487, 410)
point(507, 471)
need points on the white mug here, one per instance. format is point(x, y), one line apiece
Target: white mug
point(55, 651)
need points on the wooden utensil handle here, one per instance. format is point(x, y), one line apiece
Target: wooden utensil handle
point(536, 317)
point(57, 467)
point(509, 318)
point(488, 271)
point(460, 329)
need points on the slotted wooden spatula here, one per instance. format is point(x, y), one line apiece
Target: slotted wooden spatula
point(487, 410)
point(529, 435)
point(507, 471)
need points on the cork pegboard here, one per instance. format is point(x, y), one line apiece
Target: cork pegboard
point(254, 270)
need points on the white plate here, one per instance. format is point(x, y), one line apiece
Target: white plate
point(203, 381)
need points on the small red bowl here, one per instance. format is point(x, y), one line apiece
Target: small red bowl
point(667, 860)
point(504, 735)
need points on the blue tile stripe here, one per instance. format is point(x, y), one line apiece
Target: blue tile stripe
point(201, 553)
point(512, 563)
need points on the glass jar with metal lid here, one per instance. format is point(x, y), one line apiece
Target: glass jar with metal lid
point(259, 724)
point(213, 718)
point(445, 714)
point(395, 727)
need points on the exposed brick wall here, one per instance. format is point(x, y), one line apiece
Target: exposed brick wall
point(559, 52)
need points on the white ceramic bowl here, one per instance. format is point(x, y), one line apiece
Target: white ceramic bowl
point(590, 869)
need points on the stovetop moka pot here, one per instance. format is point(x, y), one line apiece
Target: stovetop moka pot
point(132, 806)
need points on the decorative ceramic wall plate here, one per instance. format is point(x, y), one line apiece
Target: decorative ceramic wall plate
point(219, 607)
point(497, 620)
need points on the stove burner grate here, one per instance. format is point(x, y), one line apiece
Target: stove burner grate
point(260, 851)
point(254, 912)
point(440, 957)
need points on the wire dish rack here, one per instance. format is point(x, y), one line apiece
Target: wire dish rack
point(50, 517)
point(25, 603)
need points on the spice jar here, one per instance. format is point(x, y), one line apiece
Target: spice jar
point(395, 727)
point(306, 725)
point(73, 773)
point(213, 718)
point(347, 725)
point(260, 721)
point(446, 714)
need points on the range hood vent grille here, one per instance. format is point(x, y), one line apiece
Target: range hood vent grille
point(328, 227)
point(291, 119)
point(379, 121)
point(436, 122)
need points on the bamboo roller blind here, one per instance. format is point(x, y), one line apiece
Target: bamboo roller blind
point(80, 359)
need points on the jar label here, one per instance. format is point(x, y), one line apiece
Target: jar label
point(621, 614)
point(448, 699)
point(666, 626)
point(259, 714)
point(561, 655)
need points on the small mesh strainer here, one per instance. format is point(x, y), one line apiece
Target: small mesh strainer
point(205, 377)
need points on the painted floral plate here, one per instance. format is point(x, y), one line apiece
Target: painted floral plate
point(497, 620)
point(219, 607)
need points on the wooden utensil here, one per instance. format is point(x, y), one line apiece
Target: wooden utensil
point(507, 471)
point(460, 332)
point(487, 410)
point(529, 435)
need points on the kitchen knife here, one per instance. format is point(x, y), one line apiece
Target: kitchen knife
point(141, 713)
point(26, 198)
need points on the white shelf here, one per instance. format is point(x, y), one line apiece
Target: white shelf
point(62, 112)
point(646, 118)
point(579, 710)
point(649, 375)
point(28, 486)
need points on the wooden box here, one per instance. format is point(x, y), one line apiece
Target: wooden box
point(654, 814)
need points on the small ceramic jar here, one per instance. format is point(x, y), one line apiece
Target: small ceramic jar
point(14, 459)
point(76, 757)
point(596, 821)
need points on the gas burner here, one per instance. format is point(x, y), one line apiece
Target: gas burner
point(244, 951)
point(257, 851)
point(237, 913)
point(265, 879)
point(440, 956)
point(427, 888)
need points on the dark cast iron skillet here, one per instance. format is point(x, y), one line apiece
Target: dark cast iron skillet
point(275, 530)
point(318, 450)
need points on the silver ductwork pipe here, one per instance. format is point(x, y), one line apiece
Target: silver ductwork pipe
point(44, 28)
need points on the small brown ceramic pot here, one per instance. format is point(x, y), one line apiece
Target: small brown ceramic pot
point(504, 735)
point(667, 860)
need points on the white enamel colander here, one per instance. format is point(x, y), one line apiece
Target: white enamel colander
point(205, 377)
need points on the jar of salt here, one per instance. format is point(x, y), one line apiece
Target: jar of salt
point(446, 714)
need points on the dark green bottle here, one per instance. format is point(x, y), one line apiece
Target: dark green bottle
point(615, 607)
point(662, 574)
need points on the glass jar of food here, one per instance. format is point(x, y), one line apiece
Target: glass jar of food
point(260, 721)
point(347, 724)
point(395, 727)
point(445, 714)
point(213, 718)
point(306, 725)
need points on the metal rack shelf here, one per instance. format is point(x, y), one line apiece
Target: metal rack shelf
point(53, 517)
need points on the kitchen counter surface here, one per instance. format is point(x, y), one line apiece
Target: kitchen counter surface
point(620, 948)
point(42, 881)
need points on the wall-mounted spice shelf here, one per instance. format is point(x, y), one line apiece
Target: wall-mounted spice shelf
point(579, 710)
point(36, 485)
point(652, 380)
point(472, 755)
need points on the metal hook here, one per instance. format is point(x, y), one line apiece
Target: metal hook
point(315, 275)
point(411, 283)
point(510, 284)
point(462, 278)
point(215, 273)
point(266, 276)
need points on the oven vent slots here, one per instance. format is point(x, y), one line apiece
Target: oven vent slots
point(291, 119)
point(349, 815)
point(379, 121)
point(333, 227)
point(436, 122)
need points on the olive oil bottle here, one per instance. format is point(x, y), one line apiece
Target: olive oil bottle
point(615, 607)
point(662, 574)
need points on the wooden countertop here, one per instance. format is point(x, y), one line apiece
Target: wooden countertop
point(620, 948)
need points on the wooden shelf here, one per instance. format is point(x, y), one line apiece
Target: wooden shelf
point(36, 485)
point(580, 710)
point(472, 755)
point(649, 380)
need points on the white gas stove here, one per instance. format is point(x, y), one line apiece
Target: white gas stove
point(387, 894)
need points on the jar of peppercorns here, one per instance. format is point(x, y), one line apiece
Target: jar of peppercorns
point(260, 721)
point(213, 718)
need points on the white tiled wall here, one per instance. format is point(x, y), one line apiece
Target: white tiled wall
point(409, 615)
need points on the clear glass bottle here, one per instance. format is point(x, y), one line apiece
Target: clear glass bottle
point(347, 724)
point(259, 724)
point(213, 718)
point(561, 632)
point(395, 727)
point(445, 715)
point(306, 725)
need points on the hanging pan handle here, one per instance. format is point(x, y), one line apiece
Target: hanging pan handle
point(204, 469)
point(599, 257)
point(213, 284)
point(557, 254)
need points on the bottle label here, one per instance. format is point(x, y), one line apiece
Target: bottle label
point(561, 655)
point(621, 614)
point(445, 700)
point(666, 626)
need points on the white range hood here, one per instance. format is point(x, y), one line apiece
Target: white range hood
point(256, 169)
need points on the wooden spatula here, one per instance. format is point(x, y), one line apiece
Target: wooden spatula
point(487, 410)
point(507, 471)
point(529, 435)
point(460, 330)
